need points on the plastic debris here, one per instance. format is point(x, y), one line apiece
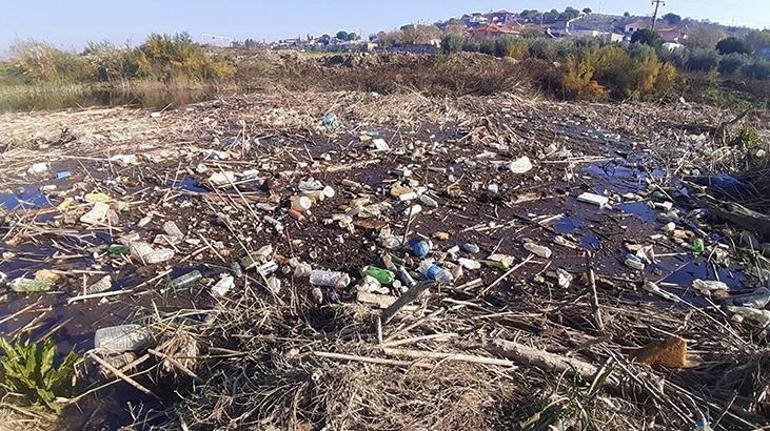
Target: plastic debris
point(520, 166)
point(594, 199)
point(123, 338)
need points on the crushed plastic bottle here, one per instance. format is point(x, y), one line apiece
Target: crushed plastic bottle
point(383, 276)
point(435, 272)
point(148, 255)
point(185, 279)
point(319, 277)
point(697, 246)
point(26, 285)
point(538, 250)
point(103, 285)
point(123, 338)
point(224, 285)
point(405, 277)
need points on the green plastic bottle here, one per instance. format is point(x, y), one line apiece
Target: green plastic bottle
point(384, 276)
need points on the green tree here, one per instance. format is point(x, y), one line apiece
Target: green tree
point(587, 10)
point(672, 18)
point(758, 39)
point(342, 35)
point(647, 37)
point(733, 45)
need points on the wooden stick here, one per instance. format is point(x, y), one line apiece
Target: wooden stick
point(397, 343)
point(408, 296)
point(121, 375)
point(460, 357)
point(507, 273)
point(175, 363)
point(98, 295)
point(594, 294)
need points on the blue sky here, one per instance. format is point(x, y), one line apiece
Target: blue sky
point(71, 23)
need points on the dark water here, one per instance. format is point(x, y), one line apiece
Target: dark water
point(48, 97)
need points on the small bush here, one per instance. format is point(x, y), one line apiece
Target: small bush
point(733, 45)
point(543, 49)
point(647, 37)
point(759, 70)
point(41, 61)
point(703, 60)
point(731, 63)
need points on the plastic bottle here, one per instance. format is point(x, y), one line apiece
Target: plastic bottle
point(405, 277)
point(185, 279)
point(435, 272)
point(384, 276)
point(123, 338)
point(104, 284)
point(319, 277)
point(25, 285)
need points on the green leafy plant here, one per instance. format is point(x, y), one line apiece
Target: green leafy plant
point(748, 138)
point(28, 369)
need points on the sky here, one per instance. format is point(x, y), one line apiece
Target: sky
point(70, 24)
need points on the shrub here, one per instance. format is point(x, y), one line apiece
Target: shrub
point(731, 63)
point(543, 49)
point(647, 37)
point(759, 70)
point(28, 369)
point(703, 60)
point(453, 43)
point(578, 80)
point(733, 45)
point(518, 49)
point(41, 61)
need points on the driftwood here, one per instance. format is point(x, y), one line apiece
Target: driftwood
point(740, 216)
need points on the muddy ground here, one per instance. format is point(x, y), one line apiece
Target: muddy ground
point(644, 157)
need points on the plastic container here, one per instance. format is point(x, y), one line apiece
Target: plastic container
point(319, 277)
point(25, 285)
point(538, 250)
point(405, 277)
point(435, 273)
point(224, 285)
point(185, 279)
point(419, 248)
point(103, 285)
point(383, 276)
point(123, 338)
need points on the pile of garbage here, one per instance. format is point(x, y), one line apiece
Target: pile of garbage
point(522, 238)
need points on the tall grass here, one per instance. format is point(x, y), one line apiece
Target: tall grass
point(161, 57)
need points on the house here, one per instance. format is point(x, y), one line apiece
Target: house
point(476, 20)
point(635, 25)
point(495, 31)
point(501, 17)
point(671, 34)
point(608, 36)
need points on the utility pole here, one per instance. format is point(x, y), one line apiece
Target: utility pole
point(657, 4)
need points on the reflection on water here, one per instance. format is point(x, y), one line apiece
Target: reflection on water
point(52, 96)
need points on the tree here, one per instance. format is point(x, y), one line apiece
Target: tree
point(342, 35)
point(703, 37)
point(325, 39)
point(647, 37)
point(758, 39)
point(569, 13)
point(551, 16)
point(626, 14)
point(672, 18)
point(733, 45)
point(587, 10)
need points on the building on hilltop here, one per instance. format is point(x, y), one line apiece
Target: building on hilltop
point(495, 31)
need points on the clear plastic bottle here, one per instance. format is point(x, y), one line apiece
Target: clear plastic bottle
point(319, 277)
point(435, 272)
